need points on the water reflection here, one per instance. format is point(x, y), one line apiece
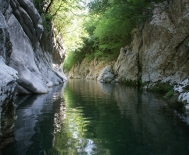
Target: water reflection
point(91, 118)
point(7, 115)
point(118, 120)
point(34, 125)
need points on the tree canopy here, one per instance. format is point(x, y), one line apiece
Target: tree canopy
point(97, 28)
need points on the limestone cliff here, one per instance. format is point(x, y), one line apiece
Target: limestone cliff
point(30, 58)
point(88, 69)
point(161, 47)
point(32, 51)
point(159, 52)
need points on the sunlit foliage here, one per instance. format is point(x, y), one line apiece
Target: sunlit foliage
point(97, 28)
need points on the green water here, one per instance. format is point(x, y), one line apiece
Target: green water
point(90, 118)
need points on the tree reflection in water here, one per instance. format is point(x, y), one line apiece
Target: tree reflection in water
point(101, 119)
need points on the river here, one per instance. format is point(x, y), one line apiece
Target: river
point(90, 118)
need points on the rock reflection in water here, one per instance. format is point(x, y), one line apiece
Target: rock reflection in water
point(115, 119)
point(7, 114)
point(99, 119)
point(7, 117)
point(34, 125)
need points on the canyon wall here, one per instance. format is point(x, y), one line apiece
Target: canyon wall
point(161, 48)
point(159, 52)
point(30, 58)
point(88, 69)
point(34, 53)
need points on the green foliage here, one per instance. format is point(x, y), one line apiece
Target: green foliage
point(116, 24)
point(72, 59)
point(47, 18)
point(98, 29)
point(68, 18)
point(109, 26)
point(169, 93)
point(162, 88)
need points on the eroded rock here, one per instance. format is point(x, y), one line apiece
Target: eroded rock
point(106, 75)
point(126, 66)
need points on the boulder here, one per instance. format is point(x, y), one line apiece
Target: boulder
point(106, 75)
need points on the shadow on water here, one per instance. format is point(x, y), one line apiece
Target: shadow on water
point(34, 125)
point(91, 118)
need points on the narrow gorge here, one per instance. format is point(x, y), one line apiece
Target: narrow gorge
point(32, 53)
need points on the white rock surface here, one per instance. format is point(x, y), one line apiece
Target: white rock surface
point(22, 59)
point(33, 51)
point(8, 77)
point(106, 75)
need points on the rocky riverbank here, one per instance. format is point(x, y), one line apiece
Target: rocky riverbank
point(157, 54)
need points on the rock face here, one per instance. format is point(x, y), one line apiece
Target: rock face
point(30, 58)
point(126, 66)
point(36, 53)
point(88, 70)
point(159, 52)
point(162, 46)
point(106, 75)
point(163, 55)
point(8, 77)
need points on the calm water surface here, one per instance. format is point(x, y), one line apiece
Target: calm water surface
point(90, 118)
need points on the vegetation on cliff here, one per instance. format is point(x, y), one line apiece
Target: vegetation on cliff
point(110, 25)
point(97, 28)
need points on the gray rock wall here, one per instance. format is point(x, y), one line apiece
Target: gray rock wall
point(35, 53)
point(126, 66)
point(164, 52)
point(30, 58)
point(88, 69)
point(8, 75)
point(159, 51)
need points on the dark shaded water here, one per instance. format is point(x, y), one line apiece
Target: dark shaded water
point(89, 118)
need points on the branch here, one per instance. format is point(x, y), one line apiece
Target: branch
point(57, 9)
point(48, 7)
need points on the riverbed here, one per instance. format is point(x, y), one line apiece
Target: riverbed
point(91, 118)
